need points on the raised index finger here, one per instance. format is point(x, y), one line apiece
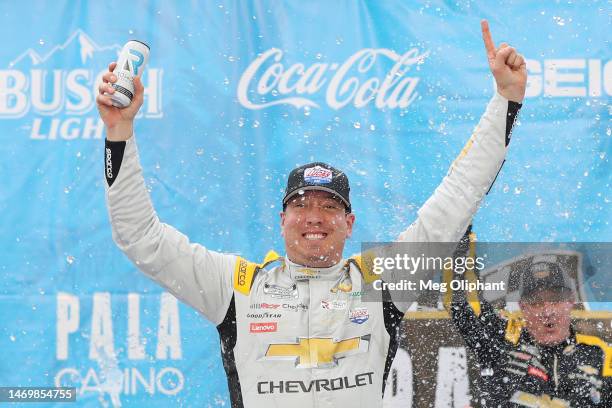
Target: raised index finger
point(486, 37)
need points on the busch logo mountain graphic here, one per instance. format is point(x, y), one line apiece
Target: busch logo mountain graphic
point(54, 92)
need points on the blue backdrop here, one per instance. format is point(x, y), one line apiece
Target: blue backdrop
point(237, 94)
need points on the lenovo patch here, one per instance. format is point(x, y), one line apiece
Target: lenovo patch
point(263, 327)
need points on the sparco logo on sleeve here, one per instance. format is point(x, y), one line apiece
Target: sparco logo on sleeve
point(109, 164)
point(375, 75)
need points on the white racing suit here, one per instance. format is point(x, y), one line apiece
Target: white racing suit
point(293, 336)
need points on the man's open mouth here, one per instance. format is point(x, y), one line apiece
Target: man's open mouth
point(313, 236)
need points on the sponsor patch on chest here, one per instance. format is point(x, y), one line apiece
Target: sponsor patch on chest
point(281, 292)
point(359, 315)
point(268, 327)
point(333, 304)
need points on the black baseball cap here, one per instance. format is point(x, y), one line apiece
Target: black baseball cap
point(542, 275)
point(318, 176)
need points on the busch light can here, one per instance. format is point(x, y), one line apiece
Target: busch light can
point(132, 60)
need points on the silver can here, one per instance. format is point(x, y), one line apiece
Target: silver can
point(132, 61)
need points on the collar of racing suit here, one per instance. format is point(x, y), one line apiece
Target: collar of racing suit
point(300, 272)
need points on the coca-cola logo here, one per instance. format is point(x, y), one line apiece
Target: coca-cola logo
point(359, 80)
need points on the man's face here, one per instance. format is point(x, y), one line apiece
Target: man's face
point(547, 315)
point(315, 226)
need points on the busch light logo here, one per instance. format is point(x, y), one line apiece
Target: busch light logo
point(317, 175)
point(267, 81)
point(56, 91)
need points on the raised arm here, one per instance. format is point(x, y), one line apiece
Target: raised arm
point(447, 213)
point(197, 276)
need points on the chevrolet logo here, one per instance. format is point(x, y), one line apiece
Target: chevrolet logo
point(317, 352)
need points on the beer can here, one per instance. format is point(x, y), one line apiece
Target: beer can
point(132, 61)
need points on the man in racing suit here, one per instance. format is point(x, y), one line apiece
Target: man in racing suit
point(294, 331)
point(538, 360)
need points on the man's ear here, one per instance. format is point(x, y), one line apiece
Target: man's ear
point(350, 220)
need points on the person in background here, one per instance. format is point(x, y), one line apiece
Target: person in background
point(539, 360)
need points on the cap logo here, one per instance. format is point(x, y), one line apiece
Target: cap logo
point(317, 175)
point(541, 270)
point(541, 274)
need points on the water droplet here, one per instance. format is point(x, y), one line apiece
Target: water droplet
point(559, 20)
point(199, 152)
point(240, 122)
point(66, 190)
point(12, 338)
point(41, 41)
point(130, 31)
point(518, 190)
point(539, 202)
point(318, 56)
point(256, 124)
point(372, 127)
point(301, 192)
point(357, 125)
point(70, 259)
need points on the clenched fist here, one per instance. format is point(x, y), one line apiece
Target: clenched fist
point(119, 121)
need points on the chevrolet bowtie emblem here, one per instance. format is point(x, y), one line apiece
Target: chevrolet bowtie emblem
point(317, 352)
